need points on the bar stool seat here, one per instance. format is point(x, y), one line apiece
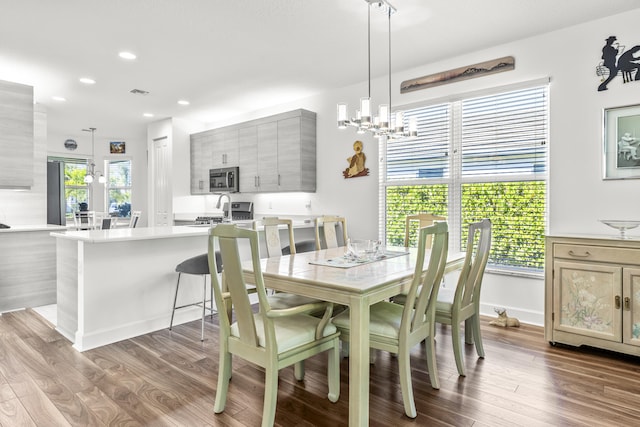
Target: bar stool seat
point(197, 265)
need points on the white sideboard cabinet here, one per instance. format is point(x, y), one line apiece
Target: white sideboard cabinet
point(592, 292)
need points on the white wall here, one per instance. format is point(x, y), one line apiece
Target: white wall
point(578, 196)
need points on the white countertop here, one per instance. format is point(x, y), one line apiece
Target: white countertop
point(130, 234)
point(22, 228)
point(149, 233)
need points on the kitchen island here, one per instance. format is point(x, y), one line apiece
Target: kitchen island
point(120, 283)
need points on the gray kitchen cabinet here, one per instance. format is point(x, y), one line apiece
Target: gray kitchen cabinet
point(224, 148)
point(201, 158)
point(275, 153)
point(16, 135)
point(278, 153)
point(248, 148)
point(259, 158)
point(212, 149)
point(297, 153)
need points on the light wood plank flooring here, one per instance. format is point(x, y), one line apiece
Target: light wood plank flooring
point(168, 378)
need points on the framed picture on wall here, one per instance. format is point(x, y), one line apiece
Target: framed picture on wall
point(116, 147)
point(621, 142)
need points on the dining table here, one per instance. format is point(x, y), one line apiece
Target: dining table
point(331, 275)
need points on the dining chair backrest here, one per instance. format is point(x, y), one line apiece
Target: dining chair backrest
point(84, 220)
point(270, 225)
point(135, 216)
point(326, 231)
point(234, 289)
point(102, 221)
point(415, 222)
point(423, 292)
point(475, 262)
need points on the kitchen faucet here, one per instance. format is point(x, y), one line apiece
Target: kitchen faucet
point(228, 217)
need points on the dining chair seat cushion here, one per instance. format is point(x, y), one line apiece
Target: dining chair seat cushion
point(198, 264)
point(291, 332)
point(384, 320)
point(282, 300)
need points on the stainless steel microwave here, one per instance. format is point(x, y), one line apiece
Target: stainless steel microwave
point(224, 180)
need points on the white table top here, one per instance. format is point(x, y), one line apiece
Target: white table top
point(355, 280)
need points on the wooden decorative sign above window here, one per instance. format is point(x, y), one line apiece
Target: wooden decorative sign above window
point(499, 65)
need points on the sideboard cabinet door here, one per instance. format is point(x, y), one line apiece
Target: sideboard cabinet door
point(587, 299)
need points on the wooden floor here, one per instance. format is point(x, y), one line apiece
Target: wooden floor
point(168, 378)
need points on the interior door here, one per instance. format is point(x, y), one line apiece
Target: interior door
point(161, 201)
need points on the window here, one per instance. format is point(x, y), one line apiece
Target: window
point(76, 191)
point(119, 187)
point(474, 158)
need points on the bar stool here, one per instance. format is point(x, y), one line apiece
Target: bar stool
point(198, 265)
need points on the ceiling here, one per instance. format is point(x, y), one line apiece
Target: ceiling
point(230, 57)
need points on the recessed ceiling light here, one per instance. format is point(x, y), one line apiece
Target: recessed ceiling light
point(183, 102)
point(148, 114)
point(127, 55)
point(58, 98)
point(87, 80)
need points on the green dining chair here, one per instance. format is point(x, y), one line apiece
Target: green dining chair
point(325, 227)
point(270, 226)
point(398, 328)
point(463, 303)
point(272, 339)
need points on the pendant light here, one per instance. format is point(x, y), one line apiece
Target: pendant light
point(385, 123)
point(91, 168)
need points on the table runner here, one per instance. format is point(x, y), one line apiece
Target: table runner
point(346, 261)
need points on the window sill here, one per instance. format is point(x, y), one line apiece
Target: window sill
point(528, 274)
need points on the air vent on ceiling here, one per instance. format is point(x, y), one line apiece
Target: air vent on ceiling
point(139, 92)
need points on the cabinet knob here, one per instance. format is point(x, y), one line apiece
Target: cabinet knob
point(617, 299)
point(627, 303)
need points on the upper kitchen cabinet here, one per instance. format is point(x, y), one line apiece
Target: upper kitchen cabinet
point(278, 153)
point(16, 135)
point(225, 148)
point(212, 149)
point(275, 153)
point(201, 159)
point(297, 152)
point(259, 160)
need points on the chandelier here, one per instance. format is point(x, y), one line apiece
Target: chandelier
point(385, 123)
point(91, 168)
